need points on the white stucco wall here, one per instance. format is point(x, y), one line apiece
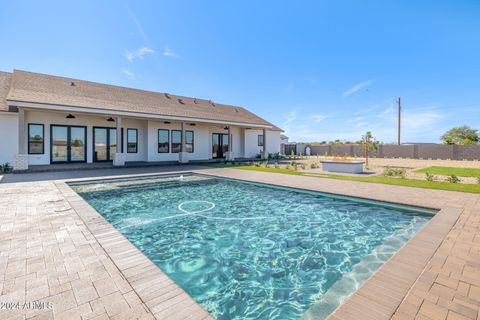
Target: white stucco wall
point(48, 118)
point(244, 143)
point(251, 142)
point(8, 137)
point(201, 141)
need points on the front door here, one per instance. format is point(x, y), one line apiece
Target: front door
point(104, 144)
point(68, 144)
point(220, 145)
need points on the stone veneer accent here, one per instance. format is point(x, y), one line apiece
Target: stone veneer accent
point(119, 159)
point(20, 162)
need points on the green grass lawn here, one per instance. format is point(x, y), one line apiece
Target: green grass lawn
point(439, 185)
point(461, 172)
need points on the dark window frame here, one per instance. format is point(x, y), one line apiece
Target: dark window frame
point(136, 140)
point(193, 141)
point(171, 140)
point(43, 137)
point(168, 141)
point(262, 143)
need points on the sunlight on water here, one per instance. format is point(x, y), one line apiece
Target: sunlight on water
point(250, 251)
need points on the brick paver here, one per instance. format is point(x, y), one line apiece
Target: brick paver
point(49, 254)
point(55, 248)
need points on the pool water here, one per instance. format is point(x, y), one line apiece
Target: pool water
point(254, 251)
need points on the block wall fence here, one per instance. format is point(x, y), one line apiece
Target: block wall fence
point(413, 151)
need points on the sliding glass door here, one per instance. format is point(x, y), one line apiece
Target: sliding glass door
point(68, 144)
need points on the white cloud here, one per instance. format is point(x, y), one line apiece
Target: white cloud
point(420, 120)
point(138, 54)
point(356, 119)
point(138, 25)
point(128, 73)
point(291, 117)
point(318, 117)
point(169, 53)
point(358, 87)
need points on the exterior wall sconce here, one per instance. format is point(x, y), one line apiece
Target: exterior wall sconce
point(70, 116)
point(111, 119)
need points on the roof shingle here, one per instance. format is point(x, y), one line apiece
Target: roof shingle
point(46, 89)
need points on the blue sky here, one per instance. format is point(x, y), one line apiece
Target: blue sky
point(322, 70)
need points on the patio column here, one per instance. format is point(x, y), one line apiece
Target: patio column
point(183, 155)
point(229, 154)
point(21, 158)
point(119, 156)
point(265, 154)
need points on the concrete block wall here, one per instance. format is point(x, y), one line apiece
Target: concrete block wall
point(435, 151)
point(394, 151)
point(413, 151)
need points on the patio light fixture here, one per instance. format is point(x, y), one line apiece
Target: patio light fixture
point(70, 116)
point(111, 119)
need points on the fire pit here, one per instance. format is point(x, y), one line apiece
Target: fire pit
point(342, 166)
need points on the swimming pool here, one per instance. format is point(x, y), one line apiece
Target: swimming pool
point(255, 251)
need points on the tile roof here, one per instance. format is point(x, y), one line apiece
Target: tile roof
point(48, 89)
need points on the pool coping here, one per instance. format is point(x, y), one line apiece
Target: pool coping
point(394, 279)
point(163, 297)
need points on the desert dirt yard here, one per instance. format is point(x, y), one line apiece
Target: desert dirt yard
point(378, 165)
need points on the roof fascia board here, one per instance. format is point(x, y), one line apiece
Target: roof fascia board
point(44, 106)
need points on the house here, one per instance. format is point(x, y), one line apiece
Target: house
point(47, 119)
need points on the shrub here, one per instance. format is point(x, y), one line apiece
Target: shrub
point(394, 172)
point(304, 166)
point(256, 164)
point(453, 179)
point(287, 167)
point(295, 167)
point(429, 176)
point(276, 165)
point(314, 166)
point(6, 168)
point(274, 156)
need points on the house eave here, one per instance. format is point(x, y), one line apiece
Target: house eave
point(93, 110)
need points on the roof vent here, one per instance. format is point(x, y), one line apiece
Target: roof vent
point(181, 101)
point(72, 84)
point(236, 110)
point(195, 100)
point(167, 96)
point(211, 102)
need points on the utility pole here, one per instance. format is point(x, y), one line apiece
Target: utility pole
point(399, 119)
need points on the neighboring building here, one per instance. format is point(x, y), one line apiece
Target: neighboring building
point(47, 119)
point(283, 142)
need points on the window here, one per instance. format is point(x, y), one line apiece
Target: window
point(260, 140)
point(35, 138)
point(176, 141)
point(132, 140)
point(163, 141)
point(189, 141)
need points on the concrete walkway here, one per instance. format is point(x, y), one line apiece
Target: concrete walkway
point(56, 249)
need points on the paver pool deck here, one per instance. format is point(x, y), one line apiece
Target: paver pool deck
point(55, 248)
